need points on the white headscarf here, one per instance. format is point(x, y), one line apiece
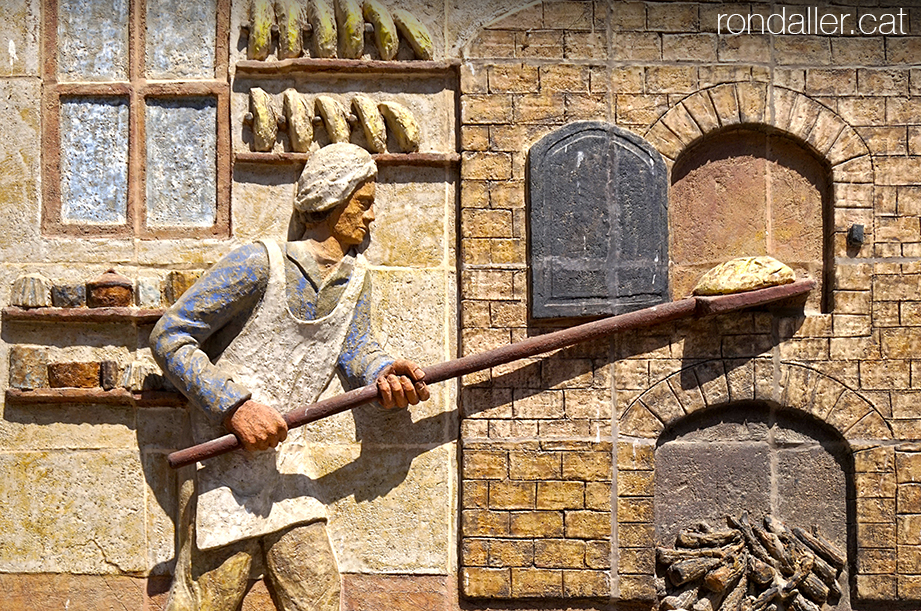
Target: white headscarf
point(331, 175)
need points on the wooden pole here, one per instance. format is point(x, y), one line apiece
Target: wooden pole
point(685, 308)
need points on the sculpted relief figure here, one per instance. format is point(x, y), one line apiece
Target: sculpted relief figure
point(262, 332)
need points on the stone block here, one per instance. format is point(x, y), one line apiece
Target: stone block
point(31, 291)
point(68, 296)
point(493, 43)
point(534, 465)
point(749, 48)
point(506, 553)
point(637, 587)
point(875, 485)
point(486, 583)
point(633, 456)
point(909, 498)
point(73, 375)
point(513, 78)
point(69, 591)
point(879, 459)
point(908, 467)
point(545, 44)
point(554, 495)
point(671, 79)
point(589, 525)
point(28, 367)
point(831, 81)
point(475, 494)
point(482, 523)
point(638, 421)
point(473, 78)
point(537, 583)
point(910, 587)
point(635, 509)
point(636, 46)
point(486, 166)
point(588, 466)
point(684, 47)
point(478, 108)
point(511, 495)
point(544, 524)
point(908, 531)
point(587, 404)
point(586, 584)
point(485, 465)
point(559, 554)
point(564, 78)
point(876, 561)
point(635, 483)
point(598, 496)
point(876, 535)
point(877, 587)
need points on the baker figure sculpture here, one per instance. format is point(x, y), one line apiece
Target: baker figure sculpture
point(262, 332)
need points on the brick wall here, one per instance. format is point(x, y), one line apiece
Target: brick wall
point(660, 70)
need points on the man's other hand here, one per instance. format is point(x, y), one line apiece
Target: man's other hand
point(257, 426)
point(401, 384)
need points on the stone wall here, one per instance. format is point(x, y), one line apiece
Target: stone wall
point(530, 485)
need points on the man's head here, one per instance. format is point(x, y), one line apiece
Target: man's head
point(330, 177)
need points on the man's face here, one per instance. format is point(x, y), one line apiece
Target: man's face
point(351, 222)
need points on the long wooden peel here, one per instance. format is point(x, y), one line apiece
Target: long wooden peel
point(690, 307)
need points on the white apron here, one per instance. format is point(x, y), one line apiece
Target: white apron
point(286, 363)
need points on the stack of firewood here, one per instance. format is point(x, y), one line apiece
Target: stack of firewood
point(747, 567)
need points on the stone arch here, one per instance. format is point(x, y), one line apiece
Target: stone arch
point(735, 104)
point(796, 386)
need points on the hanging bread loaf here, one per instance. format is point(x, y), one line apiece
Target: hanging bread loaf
point(265, 120)
point(385, 31)
point(403, 125)
point(299, 120)
point(323, 22)
point(415, 33)
point(372, 122)
point(351, 26)
point(334, 118)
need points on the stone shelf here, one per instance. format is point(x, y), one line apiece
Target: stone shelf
point(385, 159)
point(308, 65)
point(139, 316)
point(116, 396)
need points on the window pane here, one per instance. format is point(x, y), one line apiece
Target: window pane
point(181, 162)
point(180, 38)
point(94, 160)
point(93, 40)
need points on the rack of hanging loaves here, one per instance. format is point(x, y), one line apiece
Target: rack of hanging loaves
point(308, 73)
point(73, 342)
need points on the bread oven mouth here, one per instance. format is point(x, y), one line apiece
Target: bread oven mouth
point(753, 510)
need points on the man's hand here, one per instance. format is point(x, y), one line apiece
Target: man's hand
point(257, 426)
point(401, 384)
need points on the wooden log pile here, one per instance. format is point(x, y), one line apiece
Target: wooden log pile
point(750, 567)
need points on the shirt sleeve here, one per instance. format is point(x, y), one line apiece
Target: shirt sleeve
point(225, 295)
point(362, 359)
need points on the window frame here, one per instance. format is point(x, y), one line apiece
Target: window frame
point(137, 89)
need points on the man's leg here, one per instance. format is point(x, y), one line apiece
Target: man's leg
point(302, 568)
point(211, 580)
